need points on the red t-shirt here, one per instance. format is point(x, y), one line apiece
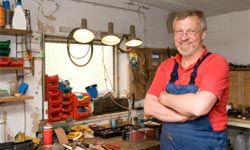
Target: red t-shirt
point(212, 75)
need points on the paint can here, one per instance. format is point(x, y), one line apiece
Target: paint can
point(47, 135)
point(2, 131)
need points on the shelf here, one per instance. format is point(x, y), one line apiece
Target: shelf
point(14, 32)
point(239, 69)
point(14, 68)
point(238, 122)
point(14, 98)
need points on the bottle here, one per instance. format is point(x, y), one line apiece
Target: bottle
point(6, 4)
point(8, 13)
point(240, 142)
point(19, 20)
point(248, 142)
point(2, 16)
point(47, 135)
point(2, 130)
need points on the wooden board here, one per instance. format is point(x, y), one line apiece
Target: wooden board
point(246, 121)
point(239, 94)
point(14, 98)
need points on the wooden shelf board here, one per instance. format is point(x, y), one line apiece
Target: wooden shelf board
point(14, 32)
point(239, 69)
point(14, 98)
point(245, 123)
point(15, 68)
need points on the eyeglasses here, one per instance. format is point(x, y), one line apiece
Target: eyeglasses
point(189, 33)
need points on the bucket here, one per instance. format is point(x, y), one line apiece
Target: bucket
point(92, 90)
point(2, 131)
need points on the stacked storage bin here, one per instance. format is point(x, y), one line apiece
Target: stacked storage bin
point(54, 98)
point(81, 105)
point(67, 98)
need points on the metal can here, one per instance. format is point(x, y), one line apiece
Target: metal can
point(47, 135)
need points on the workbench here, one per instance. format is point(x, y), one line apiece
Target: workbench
point(125, 144)
point(130, 145)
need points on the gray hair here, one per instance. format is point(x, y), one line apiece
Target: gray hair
point(188, 13)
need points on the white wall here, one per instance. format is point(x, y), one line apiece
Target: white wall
point(229, 35)
point(48, 15)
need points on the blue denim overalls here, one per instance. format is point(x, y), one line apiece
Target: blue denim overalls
point(196, 134)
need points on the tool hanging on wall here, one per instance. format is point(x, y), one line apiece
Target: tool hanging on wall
point(71, 57)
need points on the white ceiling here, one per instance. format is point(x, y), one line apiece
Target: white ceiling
point(210, 7)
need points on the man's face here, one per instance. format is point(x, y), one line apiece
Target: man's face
point(188, 35)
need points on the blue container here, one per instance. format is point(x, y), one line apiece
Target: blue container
point(92, 90)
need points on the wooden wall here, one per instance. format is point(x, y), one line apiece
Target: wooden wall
point(239, 94)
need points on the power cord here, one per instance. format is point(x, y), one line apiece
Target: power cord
point(68, 50)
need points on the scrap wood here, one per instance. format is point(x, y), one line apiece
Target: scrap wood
point(111, 146)
point(61, 136)
point(107, 146)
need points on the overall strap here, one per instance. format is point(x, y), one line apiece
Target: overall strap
point(174, 73)
point(194, 73)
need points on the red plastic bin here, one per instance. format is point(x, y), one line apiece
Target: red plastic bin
point(80, 115)
point(67, 95)
point(54, 94)
point(66, 109)
point(66, 115)
point(52, 87)
point(16, 62)
point(66, 102)
point(81, 102)
point(55, 108)
point(54, 117)
point(56, 101)
point(52, 79)
point(4, 61)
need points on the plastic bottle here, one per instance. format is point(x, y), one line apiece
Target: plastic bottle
point(6, 4)
point(2, 16)
point(240, 142)
point(19, 20)
point(8, 13)
point(47, 135)
point(2, 131)
point(248, 142)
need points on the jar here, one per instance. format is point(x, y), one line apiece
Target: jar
point(13, 87)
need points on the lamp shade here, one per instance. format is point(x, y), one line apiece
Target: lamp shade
point(83, 34)
point(133, 41)
point(110, 38)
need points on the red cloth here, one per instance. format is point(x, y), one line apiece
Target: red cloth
point(212, 75)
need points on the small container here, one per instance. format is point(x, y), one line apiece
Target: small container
point(2, 131)
point(113, 123)
point(92, 90)
point(47, 135)
point(13, 87)
point(2, 16)
point(240, 142)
